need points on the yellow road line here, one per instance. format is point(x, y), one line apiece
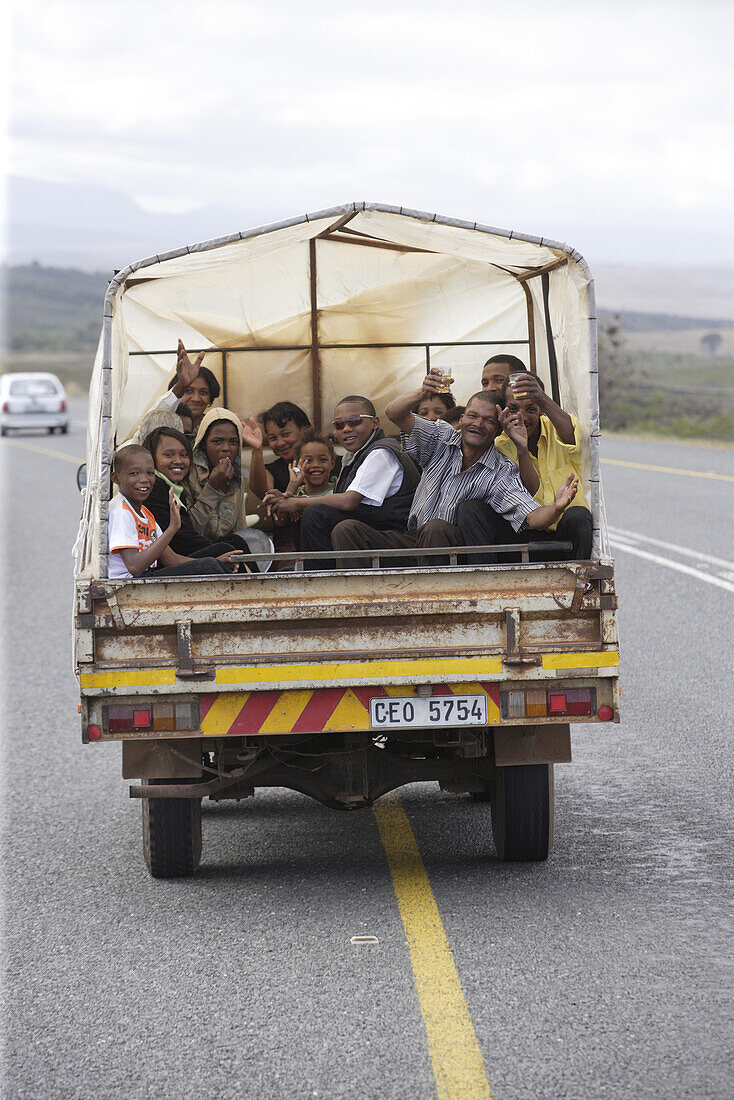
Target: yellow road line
point(665, 469)
point(457, 1061)
point(439, 666)
point(45, 451)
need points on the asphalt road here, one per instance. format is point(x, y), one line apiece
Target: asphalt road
point(605, 972)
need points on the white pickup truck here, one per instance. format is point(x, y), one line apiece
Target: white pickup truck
point(349, 682)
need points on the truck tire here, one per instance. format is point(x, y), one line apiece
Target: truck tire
point(172, 836)
point(523, 812)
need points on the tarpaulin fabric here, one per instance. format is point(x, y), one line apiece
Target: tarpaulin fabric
point(382, 276)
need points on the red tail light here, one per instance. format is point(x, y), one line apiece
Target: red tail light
point(142, 718)
point(556, 702)
point(578, 701)
point(94, 733)
point(6, 406)
point(63, 406)
point(552, 703)
point(605, 713)
point(124, 718)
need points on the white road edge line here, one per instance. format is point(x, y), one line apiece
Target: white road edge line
point(687, 569)
point(620, 532)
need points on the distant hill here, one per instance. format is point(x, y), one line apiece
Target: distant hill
point(632, 321)
point(60, 310)
point(685, 291)
point(51, 308)
point(97, 228)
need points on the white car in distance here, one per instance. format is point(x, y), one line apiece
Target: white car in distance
point(35, 400)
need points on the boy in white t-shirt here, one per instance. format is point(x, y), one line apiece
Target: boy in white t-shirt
point(135, 541)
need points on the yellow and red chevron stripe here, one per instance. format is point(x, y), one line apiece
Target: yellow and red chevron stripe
point(327, 710)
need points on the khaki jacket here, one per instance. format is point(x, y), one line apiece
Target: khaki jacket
point(213, 513)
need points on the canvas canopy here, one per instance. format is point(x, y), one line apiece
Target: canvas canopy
point(356, 299)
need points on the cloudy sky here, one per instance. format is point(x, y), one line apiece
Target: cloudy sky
point(606, 126)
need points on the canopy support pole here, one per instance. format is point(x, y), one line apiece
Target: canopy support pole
point(315, 360)
point(552, 361)
point(225, 402)
point(531, 327)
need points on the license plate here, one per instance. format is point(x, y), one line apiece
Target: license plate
point(438, 710)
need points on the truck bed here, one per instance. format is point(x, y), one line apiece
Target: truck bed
point(280, 630)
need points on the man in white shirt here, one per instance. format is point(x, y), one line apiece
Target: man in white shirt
point(376, 483)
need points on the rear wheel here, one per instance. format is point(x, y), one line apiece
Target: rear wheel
point(64, 429)
point(523, 812)
point(172, 836)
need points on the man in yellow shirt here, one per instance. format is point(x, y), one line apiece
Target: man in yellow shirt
point(545, 443)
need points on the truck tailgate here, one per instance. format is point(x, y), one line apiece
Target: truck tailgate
point(272, 631)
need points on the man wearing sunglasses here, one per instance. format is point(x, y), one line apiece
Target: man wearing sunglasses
point(375, 486)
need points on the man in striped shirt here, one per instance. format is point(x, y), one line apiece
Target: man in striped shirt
point(458, 465)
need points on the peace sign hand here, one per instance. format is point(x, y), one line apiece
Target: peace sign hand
point(187, 371)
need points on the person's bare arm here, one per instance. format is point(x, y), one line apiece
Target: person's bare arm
point(400, 411)
point(170, 557)
point(515, 430)
point(260, 480)
point(542, 517)
point(281, 505)
point(137, 561)
point(561, 421)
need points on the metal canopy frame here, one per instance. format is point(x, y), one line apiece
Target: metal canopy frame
point(339, 231)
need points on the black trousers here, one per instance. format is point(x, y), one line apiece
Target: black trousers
point(481, 525)
point(351, 534)
point(203, 563)
point(319, 521)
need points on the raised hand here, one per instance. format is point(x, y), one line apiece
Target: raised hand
point(174, 521)
point(514, 428)
point(185, 369)
point(433, 382)
point(296, 478)
point(527, 389)
point(221, 475)
point(252, 434)
point(567, 492)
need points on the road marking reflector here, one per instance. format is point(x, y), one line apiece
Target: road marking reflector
point(452, 1043)
point(357, 940)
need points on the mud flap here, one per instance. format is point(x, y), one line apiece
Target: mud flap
point(532, 745)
